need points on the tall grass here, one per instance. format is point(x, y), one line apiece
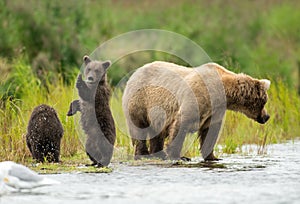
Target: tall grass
point(15, 113)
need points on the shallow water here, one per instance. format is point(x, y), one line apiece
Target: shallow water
point(271, 178)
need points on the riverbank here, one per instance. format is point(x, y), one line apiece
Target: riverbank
point(270, 178)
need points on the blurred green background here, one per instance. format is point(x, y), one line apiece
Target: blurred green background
point(260, 38)
point(42, 44)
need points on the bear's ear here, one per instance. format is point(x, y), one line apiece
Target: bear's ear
point(106, 64)
point(266, 83)
point(86, 59)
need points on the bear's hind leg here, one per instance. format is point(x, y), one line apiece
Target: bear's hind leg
point(141, 149)
point(106, 149)
point(52, 151)
point(94, 162)
point(56, 154)
point(38, 152)
point(92, 150)
point(157, 145)
point(139, 141)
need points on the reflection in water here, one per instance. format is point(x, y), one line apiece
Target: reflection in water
point(271, 178)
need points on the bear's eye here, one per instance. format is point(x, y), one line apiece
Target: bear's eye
point(88, 69)
point(97, 70)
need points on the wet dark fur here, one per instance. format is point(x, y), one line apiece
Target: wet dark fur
point(44, 133)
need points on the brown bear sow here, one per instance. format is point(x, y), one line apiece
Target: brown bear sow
point(166, 101)
point(44, 133)
point(96, 118)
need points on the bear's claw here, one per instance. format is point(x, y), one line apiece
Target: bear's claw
point(186, 159)
point(98, 165)
point(212, 157)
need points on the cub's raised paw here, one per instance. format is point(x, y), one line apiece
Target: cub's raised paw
point(74, 107)
point(80, 83)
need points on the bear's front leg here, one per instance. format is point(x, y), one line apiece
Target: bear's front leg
point(157, 145)
point(208, 137)
point(177, 135)
point(74, 107)
point(83, 90)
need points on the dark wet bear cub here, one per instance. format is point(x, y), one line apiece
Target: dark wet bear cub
point(44, 134)
point(96, 117)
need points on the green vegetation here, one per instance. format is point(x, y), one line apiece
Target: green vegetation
point(42, 44)
point(258, 37)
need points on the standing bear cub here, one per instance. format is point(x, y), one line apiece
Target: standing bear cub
point(44, 133)
point(166, 101)
point(96, 117)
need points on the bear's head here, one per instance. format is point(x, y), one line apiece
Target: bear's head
point(95, 71)
point(250, 96)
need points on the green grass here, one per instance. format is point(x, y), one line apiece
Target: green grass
point(15, 112)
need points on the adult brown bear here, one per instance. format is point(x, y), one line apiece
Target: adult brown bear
point(164, 100)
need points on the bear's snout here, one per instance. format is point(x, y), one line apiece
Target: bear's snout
point(263, 119)
point(90, 79)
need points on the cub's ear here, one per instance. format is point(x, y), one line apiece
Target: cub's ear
point(266, 83)
point(106, 64)
point(86, 59)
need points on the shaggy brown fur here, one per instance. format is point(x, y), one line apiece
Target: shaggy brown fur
point(96, 118)
point(44, 133)
point(167, 100)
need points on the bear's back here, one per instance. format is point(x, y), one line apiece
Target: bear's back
point(159, 70)
point(169, 84)
point(44, 122)
point(164, 72)
point(158, 74)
